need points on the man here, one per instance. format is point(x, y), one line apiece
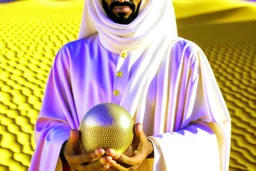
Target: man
point(129, 54)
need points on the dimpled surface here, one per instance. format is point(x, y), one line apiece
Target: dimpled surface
point(107, 126)
point(31, 32)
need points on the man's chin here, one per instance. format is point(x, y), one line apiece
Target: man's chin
point(122, 19)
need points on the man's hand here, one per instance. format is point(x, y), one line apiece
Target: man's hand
point(141, 149)
point(78, 159)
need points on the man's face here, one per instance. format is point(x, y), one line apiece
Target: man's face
point(121, 11)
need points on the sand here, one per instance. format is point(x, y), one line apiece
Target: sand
point(32, 31)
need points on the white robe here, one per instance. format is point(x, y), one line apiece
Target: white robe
point(179, 103)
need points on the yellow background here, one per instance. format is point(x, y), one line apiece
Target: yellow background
point(32, 31)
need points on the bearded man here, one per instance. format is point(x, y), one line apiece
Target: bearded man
point(129, 53)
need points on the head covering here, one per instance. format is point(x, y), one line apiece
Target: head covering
point(156, 20)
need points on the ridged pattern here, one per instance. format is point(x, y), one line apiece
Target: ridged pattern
point(234, 67)
point(27, 49)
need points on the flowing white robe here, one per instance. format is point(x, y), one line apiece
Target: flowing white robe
point(177, 101)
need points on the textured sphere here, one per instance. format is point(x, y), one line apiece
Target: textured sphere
point(107, 125)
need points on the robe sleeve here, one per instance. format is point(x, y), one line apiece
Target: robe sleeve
point(57, 115)
point(201, 141)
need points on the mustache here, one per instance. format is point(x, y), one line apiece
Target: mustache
point(125, 3)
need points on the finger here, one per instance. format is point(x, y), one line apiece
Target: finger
point(96, 165)
point(138, 128)
point(121, 158)
point(73, 141)
point(139, 137)
point(146, 147)
point(99, 164)
point(98, 152)
point(105, 162)
point(117, 166)
point(86, 157)
point(140, 133)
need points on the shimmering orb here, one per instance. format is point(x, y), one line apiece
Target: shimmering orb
point(107, 125)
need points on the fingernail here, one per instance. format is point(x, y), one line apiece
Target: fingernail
point(109, 158)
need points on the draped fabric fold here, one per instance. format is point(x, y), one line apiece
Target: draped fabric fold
point(192, 116)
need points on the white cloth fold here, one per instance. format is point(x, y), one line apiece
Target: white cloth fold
point(156, 20)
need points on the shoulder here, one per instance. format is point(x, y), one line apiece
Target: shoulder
point(76, 48)
point(184, 44)
point(184, 50)
point(78, 45)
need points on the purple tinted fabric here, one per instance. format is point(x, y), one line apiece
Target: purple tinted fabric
point(174, 105)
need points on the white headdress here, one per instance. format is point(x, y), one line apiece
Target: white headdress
point(156, 20)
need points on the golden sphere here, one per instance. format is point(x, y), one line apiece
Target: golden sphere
point(107, 125)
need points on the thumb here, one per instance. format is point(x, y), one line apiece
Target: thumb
point(139, 133)
point(72, 143)
point(138, 129)
point(74, 135)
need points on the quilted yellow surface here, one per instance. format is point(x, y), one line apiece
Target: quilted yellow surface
point(31, 32)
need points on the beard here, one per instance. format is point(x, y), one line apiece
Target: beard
point(120, 18)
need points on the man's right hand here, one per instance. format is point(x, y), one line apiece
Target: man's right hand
point(78, 159)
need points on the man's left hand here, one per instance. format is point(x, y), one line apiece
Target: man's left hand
point(141, 148)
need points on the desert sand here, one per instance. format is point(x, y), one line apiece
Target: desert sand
point(32, 31)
